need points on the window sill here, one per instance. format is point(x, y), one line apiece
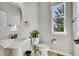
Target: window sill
point(60, 33)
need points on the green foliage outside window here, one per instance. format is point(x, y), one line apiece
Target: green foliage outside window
point(59, 19)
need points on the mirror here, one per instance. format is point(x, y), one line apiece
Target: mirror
point(10, 14)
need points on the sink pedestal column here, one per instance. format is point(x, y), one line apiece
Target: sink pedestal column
point(17, 52)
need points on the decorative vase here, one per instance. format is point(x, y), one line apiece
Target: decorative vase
point(35, 41)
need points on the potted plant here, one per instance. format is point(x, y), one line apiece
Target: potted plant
point(34, 37)
point(34, 40)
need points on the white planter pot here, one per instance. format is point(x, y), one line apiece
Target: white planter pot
point(35, 41)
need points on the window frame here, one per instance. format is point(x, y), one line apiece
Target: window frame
point(52, 22)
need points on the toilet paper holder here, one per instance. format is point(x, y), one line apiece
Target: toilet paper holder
point(53, 40)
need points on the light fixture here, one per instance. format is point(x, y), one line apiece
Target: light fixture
point(26, 24)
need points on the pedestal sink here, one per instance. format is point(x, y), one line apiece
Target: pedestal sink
point(18, 43)
point(14, 44)
point(6, 43)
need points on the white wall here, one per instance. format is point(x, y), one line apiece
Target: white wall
point(44, 22)
point(63, 41)
point(29, 14)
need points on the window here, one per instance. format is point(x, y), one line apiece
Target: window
point(57, 17)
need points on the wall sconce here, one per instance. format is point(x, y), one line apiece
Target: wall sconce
point(26, 24)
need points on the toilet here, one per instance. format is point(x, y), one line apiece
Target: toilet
point(43, 48)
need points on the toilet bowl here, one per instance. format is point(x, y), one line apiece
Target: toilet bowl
point(43, 48)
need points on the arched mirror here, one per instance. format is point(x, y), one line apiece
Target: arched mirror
point(10, 17)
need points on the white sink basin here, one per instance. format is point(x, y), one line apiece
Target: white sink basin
point(18, 43)
point(6, 43)
point(12, 43)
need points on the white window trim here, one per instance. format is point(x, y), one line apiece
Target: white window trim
point(52, 25)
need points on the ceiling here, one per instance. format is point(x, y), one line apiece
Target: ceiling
point(16, 4)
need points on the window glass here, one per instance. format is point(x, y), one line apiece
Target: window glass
point(57, 17)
